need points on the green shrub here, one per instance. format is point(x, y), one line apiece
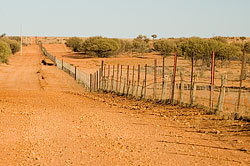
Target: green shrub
point(164, 46)
point(17, 38)
point(141, 44)
point(75, 43)
point(5, 52)
point(14, 45)
point(100, 47)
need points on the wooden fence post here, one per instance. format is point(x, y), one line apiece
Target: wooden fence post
point(90, 83)
point(242, 73)
point(164, 89)
point(138, 81)
point(170, 87)
point(120, 86)
point(117, 83)
point(62, 64)
point(127, 88)
point(133, 82)
point(108, 80)
point(155, 79)
point(104, 78)
point(174, 74)
point(75, 72)
point(97, 80)
point(193, 90)
point(222, 93)
point(212, 82)
point(145, 82)
point(182, 89)
point(112, 79)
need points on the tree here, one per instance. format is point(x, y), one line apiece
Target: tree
point(75, 43)
point(141, 43)
point(5, 52)
point(99, 46)
point(165, 47)
point(154, 36)
point(242, 38)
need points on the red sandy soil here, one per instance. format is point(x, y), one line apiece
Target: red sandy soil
point(46, 118)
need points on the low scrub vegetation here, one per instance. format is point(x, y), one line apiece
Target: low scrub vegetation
point(8, 46)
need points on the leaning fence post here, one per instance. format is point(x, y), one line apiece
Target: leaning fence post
point(222, 93)
point(174, 74)
point(182, 89)
point(97, 80)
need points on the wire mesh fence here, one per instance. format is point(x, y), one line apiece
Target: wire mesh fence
point(167, 84)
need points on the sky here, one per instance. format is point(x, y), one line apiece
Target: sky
point(125, 18)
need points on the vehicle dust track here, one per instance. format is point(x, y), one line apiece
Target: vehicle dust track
point(46, 118)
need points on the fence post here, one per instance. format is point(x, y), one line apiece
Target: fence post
point(133, 82)
point(108, 80)
point(101, 76)
point(138, 80)
point(117, 83)
point(242, 72)
point(164, 89)
point(155, 79)
point(97, 80)
point(145, 82)
point(104, 78)
point(222, 93)
point(62, 64)
point(182, 89)
point(112, 79)
point(90, 83)
point(75, 72)
point(212, 82)
point(174, 74)
point(120, 86)
point(127, 80)
point(194, 90)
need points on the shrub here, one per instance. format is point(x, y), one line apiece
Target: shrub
point(75, 43)
point(141, 44)
point(14, 45)
point(5, 52)
point(17, 38)
point(100, 47)
point(164, 46)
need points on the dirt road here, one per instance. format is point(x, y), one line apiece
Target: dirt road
point(46, 118)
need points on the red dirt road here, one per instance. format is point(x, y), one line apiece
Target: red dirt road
point(46, 118)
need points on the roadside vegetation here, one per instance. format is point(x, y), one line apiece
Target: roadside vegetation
point(8, 47)
point(199, 49)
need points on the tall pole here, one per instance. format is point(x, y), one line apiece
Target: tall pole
point(21, 40)
point(212, 82)
point(174, 74)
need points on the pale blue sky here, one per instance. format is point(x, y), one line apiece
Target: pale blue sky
point(126, 18)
